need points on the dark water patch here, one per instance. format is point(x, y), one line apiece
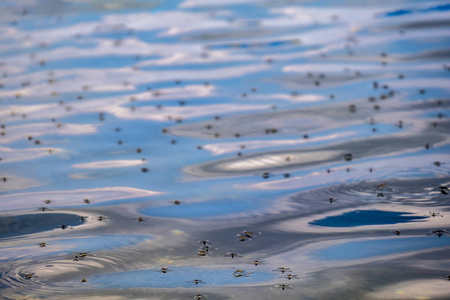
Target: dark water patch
point(424, 24)
point(276, 122)
point(33, 223)
point(437, 54)
point(366, 217)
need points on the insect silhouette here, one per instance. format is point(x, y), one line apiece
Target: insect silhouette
point(140, 219)
point(83, 280)
point(202, 252)
point(199, 297)
point(331, 200)
point(64, 227)
point(397, 232)
point(348, 157)
point(42, 245)
point(246, 235)
point(207, 248)
point(380, 189)
point(196, 281)
point(204, 242)
point(176, 202)
point(87, 201)
point(290, 276)
point(102, 218)
point(439, 232)
point(282, 269)
point(443, 189)
point(81, 256)
point(241, 273)
point(435, 214)
point(282, 286)
point(165, 270)
point(257, 262)
point(233, 255)
point(28, 275)
point(82, 218)
point(43, 208)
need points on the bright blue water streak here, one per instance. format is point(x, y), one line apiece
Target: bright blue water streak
point(366, 217)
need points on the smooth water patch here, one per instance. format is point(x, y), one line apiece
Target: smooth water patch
point(78, 243)
point(201, 209)
point(33, 223)
point(179, 277)
point(370, 248)
point(366, 217)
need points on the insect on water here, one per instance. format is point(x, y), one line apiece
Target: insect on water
point(196, 281)
point(164, 270)
point(282, 286)
point(282, 269)
point(257, 262)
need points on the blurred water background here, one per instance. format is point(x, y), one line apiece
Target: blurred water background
point(190, 149)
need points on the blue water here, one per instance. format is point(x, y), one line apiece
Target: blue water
point(380, 247)
point(366, 217)
point(244, 111)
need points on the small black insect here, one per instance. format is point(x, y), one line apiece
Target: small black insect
point(28, 275)
point(282, 286)
point(439, 232)
point(233, 255)
point(290, 276)
point(348, 157)
point(443, 189)
point(282, 269)
point(197, 281)
point(164, 270)
point(397, 232)
point(257, 262)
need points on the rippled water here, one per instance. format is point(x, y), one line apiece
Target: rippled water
point(202, 136)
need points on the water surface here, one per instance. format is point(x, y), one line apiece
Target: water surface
point(201, 136)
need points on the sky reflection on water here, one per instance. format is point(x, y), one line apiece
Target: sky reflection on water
point(202, 136)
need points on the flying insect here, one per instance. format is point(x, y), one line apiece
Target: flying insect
point(290, 276)
point(282, 286)
point(165, 270)
point(439, 232)
point(443, 189)
point(435, 214)
point(28, 275)
point(257, 262)
point(398, 232)
point(233, 255)
point(197, 281)
point(241, 273)
point(282, 269)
